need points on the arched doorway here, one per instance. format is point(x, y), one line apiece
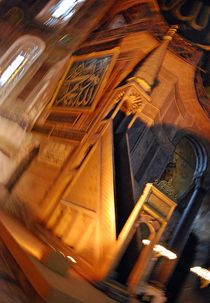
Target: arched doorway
point(182, 181)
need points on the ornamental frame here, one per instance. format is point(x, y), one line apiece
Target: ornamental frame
point(102, 81)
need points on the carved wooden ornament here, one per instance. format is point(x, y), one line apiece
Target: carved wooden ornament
point(84, 80)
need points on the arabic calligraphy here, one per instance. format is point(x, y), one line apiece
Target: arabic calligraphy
point(82, 82)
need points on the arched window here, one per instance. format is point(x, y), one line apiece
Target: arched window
point(58, 13)
point(16, 61)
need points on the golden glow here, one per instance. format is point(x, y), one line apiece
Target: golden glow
point(146, 87)
point(72, 259)
point(161, 250)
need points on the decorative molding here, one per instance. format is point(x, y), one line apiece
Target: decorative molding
point(134, 98)
point(55, 153)
point(158, 28)
point(133, 102)
point(68, 134)
point(62, 117)
point(84, 80)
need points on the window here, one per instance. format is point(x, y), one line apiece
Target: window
point(58, 13)
point(16, 61)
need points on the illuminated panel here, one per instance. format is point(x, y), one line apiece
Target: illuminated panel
point(11, 69)
point(201, 272)
point(71, 259)
point(161, 250)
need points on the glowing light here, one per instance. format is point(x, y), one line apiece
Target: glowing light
point(72, 259)
point(64, 7)
point(161, 250)
point(164, 252)
point(201, 272)
point(11, 69)
point(146, 242)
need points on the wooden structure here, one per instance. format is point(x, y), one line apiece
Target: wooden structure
point(107, 108)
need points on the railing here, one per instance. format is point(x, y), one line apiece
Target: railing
point(178, 45)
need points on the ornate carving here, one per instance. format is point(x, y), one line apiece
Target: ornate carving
point(145, 217)
point(133, 102)
point(134, 99)
point(62, 117)
point(69, 134)
point(158, 28)
point(83, 81)
point(55, 153)
point(119, 97)
point(165, 185)
point(80, 85)
point(158, 205)
point(178, 45)
point(167, 188)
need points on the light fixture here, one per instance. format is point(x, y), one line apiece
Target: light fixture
point(160, 250)
point(164, 252)
point(146, 242)
point(201, 272)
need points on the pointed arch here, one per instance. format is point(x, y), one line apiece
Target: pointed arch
point(16, 62)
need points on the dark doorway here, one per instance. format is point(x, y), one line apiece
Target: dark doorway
point(182, 269)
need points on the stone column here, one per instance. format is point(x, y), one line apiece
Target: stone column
point(180, 236)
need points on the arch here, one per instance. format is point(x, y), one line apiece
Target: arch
point(201, 156)
point(16, 62)
point(198, 148)
point(199, 151)
point(184, 169)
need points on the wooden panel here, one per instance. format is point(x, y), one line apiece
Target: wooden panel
point(35, 181)
point(62, 117)
point(31, 183)
point(64, 133)
point(85, 189)
point(55, 153)
point(89, 201)
point(106, 207)
point(79, 230)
